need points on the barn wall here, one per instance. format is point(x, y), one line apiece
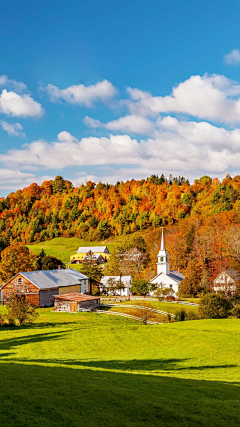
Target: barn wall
point(61, 305)
point(23, 287)
point(90, 304)
point(69, 289)
point(46, 297)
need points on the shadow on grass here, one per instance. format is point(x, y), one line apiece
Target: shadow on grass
point(148, 365)
point(36, 395)
point(9, 343)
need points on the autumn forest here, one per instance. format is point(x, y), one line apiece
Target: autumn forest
point(201, 219)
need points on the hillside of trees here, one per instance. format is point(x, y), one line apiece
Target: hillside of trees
point(201, 219)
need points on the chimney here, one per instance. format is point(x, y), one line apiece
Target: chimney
point(59, 267)
point(178, 269)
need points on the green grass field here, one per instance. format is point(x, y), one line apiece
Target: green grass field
point(90, 369)
point(63, 247)
point(164, 306)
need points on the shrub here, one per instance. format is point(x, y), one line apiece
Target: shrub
point(180, 315)
point(2, 319)
point(236, 311)
point(21, 311)
point(214, 306)
point(192, 315)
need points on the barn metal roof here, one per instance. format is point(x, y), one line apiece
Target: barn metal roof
point(74, 296)
point(94, 249)
point(48, 279)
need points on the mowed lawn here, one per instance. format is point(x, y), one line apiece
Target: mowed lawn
point(90, 369)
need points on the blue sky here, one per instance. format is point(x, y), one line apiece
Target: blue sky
point(107, 90)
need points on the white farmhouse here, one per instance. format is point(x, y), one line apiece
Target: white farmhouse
point(126, 282)
point(165, 277)
point(227, 281)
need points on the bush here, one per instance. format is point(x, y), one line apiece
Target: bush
point(214, 306)
point(2, 319)
point(236, 311)
point(192, 315)
point(181, 315)
point(21, 311)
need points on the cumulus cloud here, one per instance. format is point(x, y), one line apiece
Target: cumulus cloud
point(83, 95)
point(210, 97)
point(68, 151)
point(13, 129)
point(12, 84)
point(130, 123)
point(16, 105)
point(179, 147)
point(233, 57)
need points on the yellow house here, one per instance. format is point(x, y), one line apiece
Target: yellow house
point(100, 252)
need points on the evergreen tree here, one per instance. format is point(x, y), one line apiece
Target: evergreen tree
point(91, 269)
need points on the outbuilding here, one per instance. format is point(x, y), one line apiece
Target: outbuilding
point(39, 287)
point(74, 302)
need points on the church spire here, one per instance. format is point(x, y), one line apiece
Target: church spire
point(162, 242)
point(163, 263)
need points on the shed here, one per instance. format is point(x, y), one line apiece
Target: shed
point(39, 287)
point(74, 302)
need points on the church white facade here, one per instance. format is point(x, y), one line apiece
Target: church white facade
point(165, 277)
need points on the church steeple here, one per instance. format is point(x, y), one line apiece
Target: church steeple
point(163, 264)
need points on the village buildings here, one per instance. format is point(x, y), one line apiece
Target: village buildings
point(74, 302)
point(101, 253)
point(116, 285)
point(226, 282)
point(40, 287)
point(166, 277)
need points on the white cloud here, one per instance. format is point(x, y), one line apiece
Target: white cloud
point(13, 129)
point(233, 57)
point(68, 151)
point(83, 95)
point(13, 104)
point(179, 147)
point(130, 123)
point(211, 97)
point(12, 84)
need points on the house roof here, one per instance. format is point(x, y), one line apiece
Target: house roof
point(234, 274)
point(74, 296)
point(94, 249)
point(174, 275)
point(49, 279)
point(124, 279)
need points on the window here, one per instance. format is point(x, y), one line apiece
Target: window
point(161, 258)
point(19, 280)
point(170, 286)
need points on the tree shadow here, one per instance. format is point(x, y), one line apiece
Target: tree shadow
point(10, 343)
point(37, 395)
point(128, 366)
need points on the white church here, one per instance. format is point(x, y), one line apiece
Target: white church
point(165, 277)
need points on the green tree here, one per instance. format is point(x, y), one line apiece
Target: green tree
point(21, 311)
point(47, 262)
point(58, 185)
point(91, 269)
point(191, 286)
point(214, 306)
point(141, 287)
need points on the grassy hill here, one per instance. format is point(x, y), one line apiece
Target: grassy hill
point(89, 369)
point(63, 247)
